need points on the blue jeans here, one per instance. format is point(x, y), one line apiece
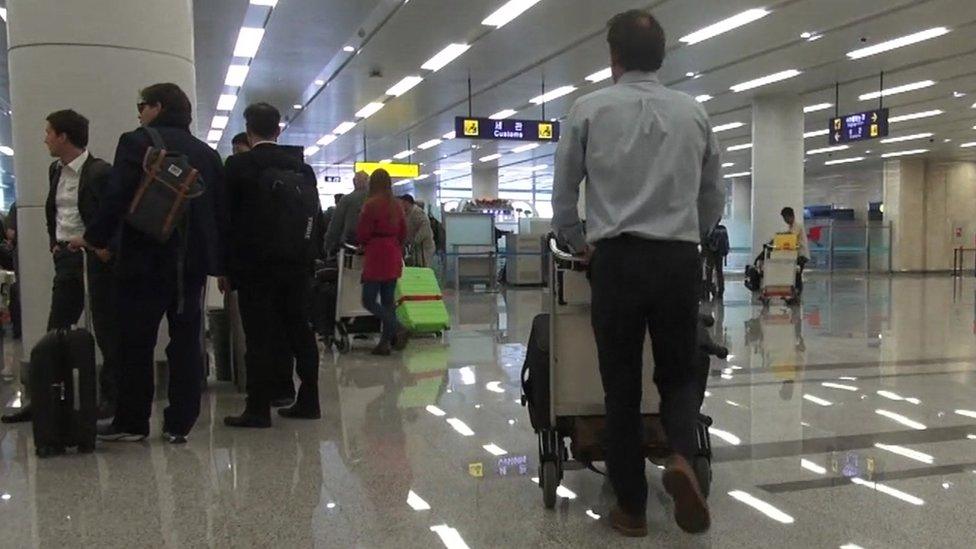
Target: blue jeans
point(385, 310)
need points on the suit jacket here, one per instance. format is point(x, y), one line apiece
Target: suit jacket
point(243, 172)
point(141, 255)
point(93, 180)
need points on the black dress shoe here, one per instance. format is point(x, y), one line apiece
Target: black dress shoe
point(20, 416)
point(295, 412)
point(282, 402)
point(246, 420)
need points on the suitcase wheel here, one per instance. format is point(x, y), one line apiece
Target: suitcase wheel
point(549, 481)
point(703, 470)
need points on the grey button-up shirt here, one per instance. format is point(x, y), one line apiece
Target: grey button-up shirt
point(650, 160)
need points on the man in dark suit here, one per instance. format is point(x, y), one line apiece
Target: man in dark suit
point(273, 284)
point(77, 181)
point(156, 279)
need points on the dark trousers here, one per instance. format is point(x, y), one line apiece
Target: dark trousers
point(143, 301)
point(68, 303)
point(385, 309)
point(801, 263)
point(641, 286)
point(714, 270)
point(274, 311)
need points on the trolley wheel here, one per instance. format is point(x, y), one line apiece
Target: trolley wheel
point(342, 344)
point(703, 471)
point(549, 480)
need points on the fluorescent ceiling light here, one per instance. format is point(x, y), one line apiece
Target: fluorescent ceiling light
point(703, 98)
point(828, 149)
point(907, 137)
point(510, 10)
point(725, 435)
point(817, 107)
point(728, 164)
point(269, 3)
point(501, 115)
point(309, 151)
point(727, 127)
point(327, 139)
point(969, 145)
point(762, 506)
point(449, 135)
point(403, 154)
point(915, 116)
point(461, 427)
point(840, 386)
point(343, 128)
point(449, 536)
point(554, 94)
point(817, 133)
point(906, 497)
point(226, 102)
point(248, 41)
point(421, 177)
point(416, 502)
point(494, 449)
point(525, 148)
point(742, 147)
point(213, 135)
point(320, 82)
point(467, 373)
point(895, 396)
point(725, 25)
point(904, 153)
point(212, 144)
point(386, 161)
point(538, 168)
point(495, 386)
point(966, 413)
point(901, 419)
point(843, 161)
point(3, 14)
point(369, 110)
point(906, 452)
point(428, 144)
point(817, 400)
point(219, 122)
point(600, 76)
point(236, 75)
point(489, 158)
point(348, 49)
point(445, 56)
point(766, 80)
point(7, 151)
point(403, 86)
point(811, 466)
point(897, 89)
point(898, 43)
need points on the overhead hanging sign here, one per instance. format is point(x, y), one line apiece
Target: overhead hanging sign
point(396, 171)
point(506, 130)
point(859, 127)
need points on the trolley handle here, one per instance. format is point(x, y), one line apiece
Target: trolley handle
point(351, 248)
point(559, 253)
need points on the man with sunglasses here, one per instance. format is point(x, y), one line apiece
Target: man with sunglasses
point(156, 280)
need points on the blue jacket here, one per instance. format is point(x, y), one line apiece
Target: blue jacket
point(141, 255)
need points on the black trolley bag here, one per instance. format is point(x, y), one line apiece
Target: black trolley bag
point(63, 387)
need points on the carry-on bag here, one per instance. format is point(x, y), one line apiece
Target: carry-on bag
point(63, 387)
point(169, 182)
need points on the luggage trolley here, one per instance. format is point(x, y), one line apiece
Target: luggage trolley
point(779, 269)
point(351, 318)
point(575, 404)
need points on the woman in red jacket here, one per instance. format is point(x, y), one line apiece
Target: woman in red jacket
point(381, 231)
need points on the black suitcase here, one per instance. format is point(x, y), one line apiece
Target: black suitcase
point(63, 392)
point(535, 374)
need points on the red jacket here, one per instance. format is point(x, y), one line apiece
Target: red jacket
point(382, 236)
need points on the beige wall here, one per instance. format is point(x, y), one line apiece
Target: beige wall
point(927, 201)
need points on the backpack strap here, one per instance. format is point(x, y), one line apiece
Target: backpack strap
point(155, 137)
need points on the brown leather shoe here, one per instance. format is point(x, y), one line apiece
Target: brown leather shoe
point(690, 509)
point(628, 525)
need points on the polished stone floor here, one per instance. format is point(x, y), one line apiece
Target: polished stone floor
point(847, 422)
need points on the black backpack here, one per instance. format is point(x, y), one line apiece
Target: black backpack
point(289, 209)
point(718, 241)
point(438, 230)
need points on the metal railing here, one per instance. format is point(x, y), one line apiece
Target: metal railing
point(959, 260)
point(836, 247)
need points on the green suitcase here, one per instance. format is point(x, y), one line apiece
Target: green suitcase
point(420, 304)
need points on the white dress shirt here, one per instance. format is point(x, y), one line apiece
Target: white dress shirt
point(650, 160)
point(68, 218)
point(802, 246)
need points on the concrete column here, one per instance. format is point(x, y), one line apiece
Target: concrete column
point(777, 163)
point(904, 208)
point(484, 181)
point(740, 225)
point(426, 192)
point(93, 57)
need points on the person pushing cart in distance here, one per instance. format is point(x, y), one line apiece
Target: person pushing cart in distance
point(651, 163)
point(796, 228)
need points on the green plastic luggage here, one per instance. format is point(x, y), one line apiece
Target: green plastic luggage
point(420, 304)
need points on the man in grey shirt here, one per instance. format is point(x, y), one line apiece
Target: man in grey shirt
point(342, 227)
point(651, 165)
